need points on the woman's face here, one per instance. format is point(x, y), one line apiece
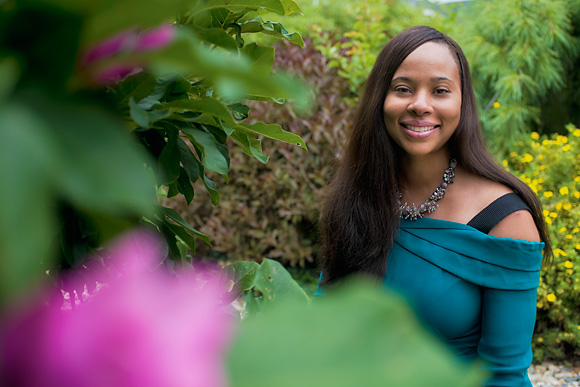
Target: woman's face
point(423, 103)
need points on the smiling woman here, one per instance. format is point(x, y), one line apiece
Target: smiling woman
point(468, 255)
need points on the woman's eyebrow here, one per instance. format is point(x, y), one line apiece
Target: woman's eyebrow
point(433, 79)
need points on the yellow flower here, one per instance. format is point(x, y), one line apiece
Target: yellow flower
point(564, 191)
point(548, 194)
point(562, 229)
point(513, 154)
point(569, 236)
point(568, 265)
point(559, 206)
point(570, 271)
point(496, 104)
point(553, 215)
point(558, 252)
point(539, 305)
point(575, 230)
point(549, 221)
point(527, 158)
point(566, 147)
point(551, 297)
point(541, 157)
point(577, 194)
point(545, 212)
point(567, 206)
point(576, 133)
point(546, 142)
point(535, 135)
point(505, 163)
point(540, 340)
point(577, 246)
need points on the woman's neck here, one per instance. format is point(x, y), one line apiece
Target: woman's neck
point(423, 173)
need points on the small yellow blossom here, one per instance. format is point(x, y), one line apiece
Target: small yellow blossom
point(577, 246)
point(513, 154)
point(566, 147)
point(564, 191)
point(540, 340)
point(539, 305)
point(527, 158)
point(569, 236)
point(549, 221)
point(535, 135)
point(561, 230)
point(496, 104)
point(545, 212)
point(577, 194)
point(575, 230)
point(553, 215)
point(551, 297)
point(558, 252)
point(546, 142)
point(559, 206)
point(505, 163)
point(568, 265)
point(570, 271)
point(548, 194)
point(541, 157)
point(576, 133)
point(567, 206)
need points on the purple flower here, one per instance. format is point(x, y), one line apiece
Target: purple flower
point(122, 45)
point(144, 327)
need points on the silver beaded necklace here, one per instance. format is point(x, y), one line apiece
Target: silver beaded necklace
point(413, 212)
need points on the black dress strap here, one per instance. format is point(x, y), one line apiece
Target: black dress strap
point(491, 215)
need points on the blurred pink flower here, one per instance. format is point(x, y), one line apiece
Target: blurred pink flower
point(145, 327)
point(126, 42)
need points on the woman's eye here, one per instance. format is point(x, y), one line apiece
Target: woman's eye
point(441, 91)
point(402, 89)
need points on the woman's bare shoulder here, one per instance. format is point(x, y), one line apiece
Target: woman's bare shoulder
point(517, 225)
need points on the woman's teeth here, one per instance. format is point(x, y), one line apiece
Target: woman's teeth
point(420, 128)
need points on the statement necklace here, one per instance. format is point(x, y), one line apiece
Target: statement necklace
point(413, 212)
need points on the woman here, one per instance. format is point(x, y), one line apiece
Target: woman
point(468, 254)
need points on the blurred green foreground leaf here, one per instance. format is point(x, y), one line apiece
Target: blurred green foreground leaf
point(356, 336)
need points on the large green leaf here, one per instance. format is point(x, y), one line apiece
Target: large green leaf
point(274, 29)
point(360, 335)
point(102, 167)
point(169, 160)
point(276, 285)
point(251, 146)
point(242, 275)
point(215, 36)
point(273, 131)
point(205, 105)
point(28, 160)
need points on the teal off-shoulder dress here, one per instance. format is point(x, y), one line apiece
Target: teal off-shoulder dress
point(475, 291)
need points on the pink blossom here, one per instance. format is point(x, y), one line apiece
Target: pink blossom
point(144, 328)
point(127, 42)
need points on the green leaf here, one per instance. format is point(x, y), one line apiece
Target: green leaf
point(251, 146)
point(273, 131)
point(169, 160)
point(239, 111)
point(210, 186)
point(206, 105)
point(188, 160)
point(28, 160)
point(213, 159)
point(290, 7)
point(174, 216)
point(242, 275)
point(262, 58)
point(276, 30)
point(182, 233)
point(359, 335)
point(276, 284)
point(237, 5)
point(215, 36)
point(185, 186)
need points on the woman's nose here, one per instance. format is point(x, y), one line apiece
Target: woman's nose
point(420, 104)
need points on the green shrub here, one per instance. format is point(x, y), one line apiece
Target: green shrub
point(272, 209)
point(551, 166)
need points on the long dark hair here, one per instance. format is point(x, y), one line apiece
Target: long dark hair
point(360, 215)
